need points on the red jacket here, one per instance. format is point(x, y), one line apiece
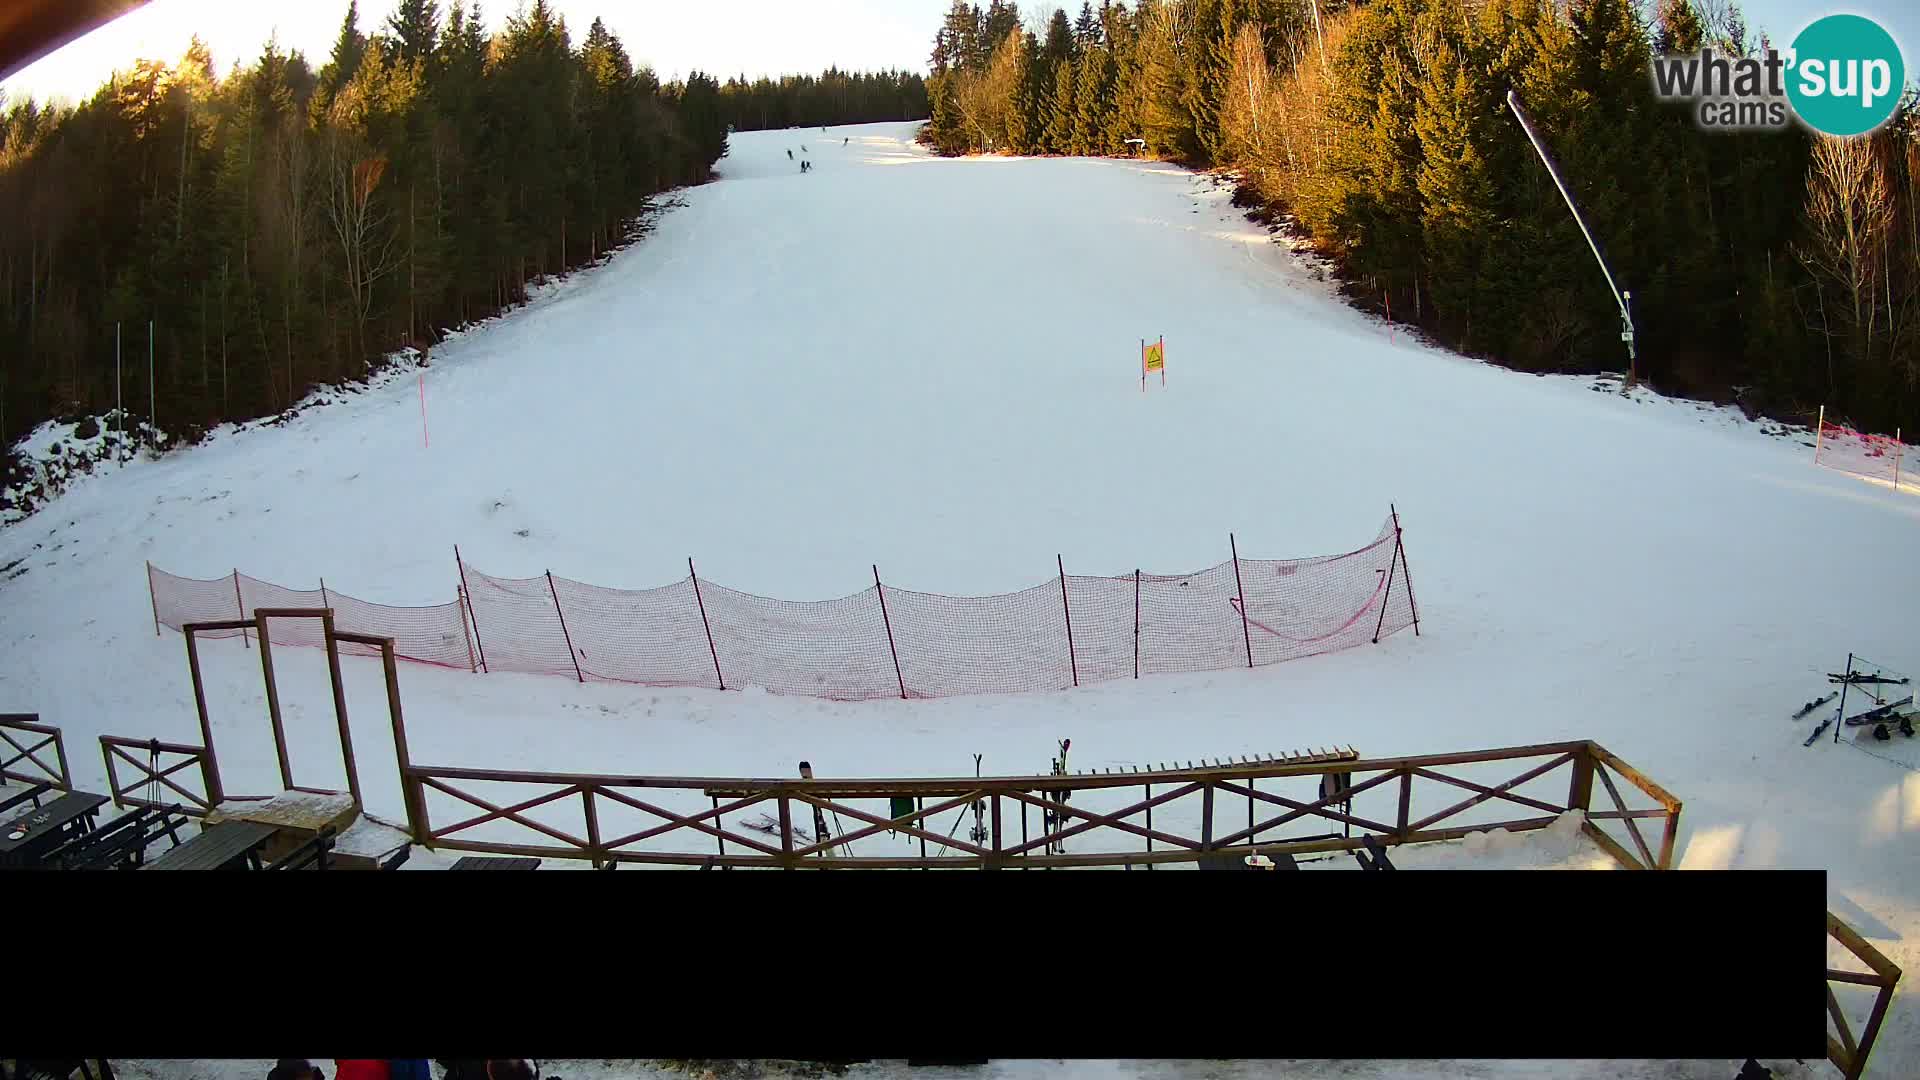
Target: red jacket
point(360, 1070)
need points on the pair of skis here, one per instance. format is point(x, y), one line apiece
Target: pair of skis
point(1876, 715)
point(1856, 678)
point(1052, 820)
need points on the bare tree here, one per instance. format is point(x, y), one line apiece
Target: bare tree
point(359, 225)
point(1849, 209)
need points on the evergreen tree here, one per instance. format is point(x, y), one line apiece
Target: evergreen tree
point(1062, 118)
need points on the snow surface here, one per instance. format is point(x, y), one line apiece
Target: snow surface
point(931, 365)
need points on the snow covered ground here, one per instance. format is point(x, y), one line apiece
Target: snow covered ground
point(931, 365)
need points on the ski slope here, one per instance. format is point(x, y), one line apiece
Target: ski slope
point(932, 366)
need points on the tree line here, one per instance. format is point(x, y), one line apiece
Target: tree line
point(833, 97)
point(282, 227)
point(1776, 267)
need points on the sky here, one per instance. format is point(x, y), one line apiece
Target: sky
point(679, 35)
point(725, 37)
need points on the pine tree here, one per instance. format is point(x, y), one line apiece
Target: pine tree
point(1093, 103)
point(415, 28)
point(1061, 121)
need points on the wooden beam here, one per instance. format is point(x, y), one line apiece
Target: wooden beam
point(1536, 771)
point(1632, 828)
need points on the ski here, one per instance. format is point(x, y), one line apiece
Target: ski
point(1857, 677)
point(1812, 705)
point(1875, 715)
point(1052, 820)
point(1824, 725)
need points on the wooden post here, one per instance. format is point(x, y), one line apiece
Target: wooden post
point(273, 703)
point(466, 612)
point(1149, 799)
point(1819, 430)
point(711, 651)
point(1206, 815)
point(1136, 627)
point(1245, 634)
point(1393, 563)
point(1073, 664)
point(786, 833)
point(340, 707)
point(567, 637)
point(210, 768)
point(1406, 801)
point(154, 598)
point(410, 788)
point(471, 614)
point(994, 863)
point(1580, 791)
point(593, 825)
point(880, 591)
point(239, 605)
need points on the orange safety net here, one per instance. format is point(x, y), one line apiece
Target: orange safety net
point(880, 642)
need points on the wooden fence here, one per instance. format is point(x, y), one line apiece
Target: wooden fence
point(159, 768)
point(25, 748)
point(1185, 794)
point(1847, 1053)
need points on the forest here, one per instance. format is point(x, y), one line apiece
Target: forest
point(1776, 268)
point(832, 97)
point(286, 227)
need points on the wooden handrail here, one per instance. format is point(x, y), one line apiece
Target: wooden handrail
point(1211, 783)
point(1847, 1053)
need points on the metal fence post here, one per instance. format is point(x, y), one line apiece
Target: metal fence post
point(471, 613)
point(711, 651)
point(567, 637)
point(881, 591)
point(154, 598)
point(239, 605)
point(1136, 627)
point(1245, 634)
point(1073, 663)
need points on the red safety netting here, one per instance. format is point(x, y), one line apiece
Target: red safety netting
point(1877, 456)
point(877, 643)
point(431, 635)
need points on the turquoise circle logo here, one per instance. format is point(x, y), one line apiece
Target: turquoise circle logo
point(1847, 75)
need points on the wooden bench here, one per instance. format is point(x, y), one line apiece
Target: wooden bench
point(229, 845)
point(33, 793)
point(120, 844)
point(491, 863)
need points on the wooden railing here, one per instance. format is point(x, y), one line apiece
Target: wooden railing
point(1847, 1053)
point(1184, 795)
point(24, 748)
point(159, 764)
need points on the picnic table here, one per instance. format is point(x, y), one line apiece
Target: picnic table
point(218, 847)
point(25, 838)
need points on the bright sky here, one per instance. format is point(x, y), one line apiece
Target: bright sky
point(724, 37)
point(674, 36)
